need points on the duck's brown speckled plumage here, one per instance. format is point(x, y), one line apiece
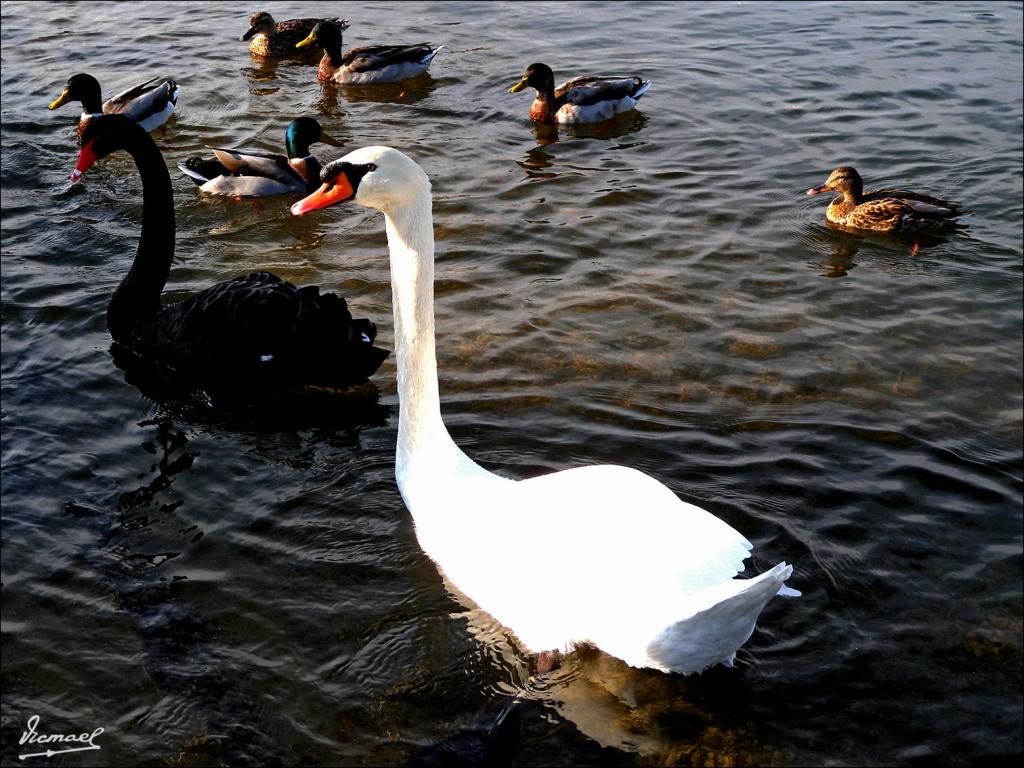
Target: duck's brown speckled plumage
point(882, 210)
point(275, 39)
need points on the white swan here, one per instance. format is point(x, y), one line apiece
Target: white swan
point(600, 554)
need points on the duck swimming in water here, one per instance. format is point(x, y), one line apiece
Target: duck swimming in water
point(272, 39)
point(587, 99)
point(251, 173)
point(882, 210)
point(149, 104)
point(369, 64)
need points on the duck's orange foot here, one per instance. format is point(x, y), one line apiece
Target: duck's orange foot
point(548, 661)
point(917, 245)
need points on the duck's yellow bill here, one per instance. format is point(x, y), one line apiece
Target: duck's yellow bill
point(308, 41)
point(329, 194)
point(61, 100)
point(517, 87)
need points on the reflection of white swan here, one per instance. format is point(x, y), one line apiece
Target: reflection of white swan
point(630, 568)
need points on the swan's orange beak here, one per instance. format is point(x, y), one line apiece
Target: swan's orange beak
point(86, 157)
point(329, 194)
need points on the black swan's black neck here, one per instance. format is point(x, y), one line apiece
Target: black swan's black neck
point(136, 301)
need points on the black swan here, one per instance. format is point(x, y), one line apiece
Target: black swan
point(247, 337)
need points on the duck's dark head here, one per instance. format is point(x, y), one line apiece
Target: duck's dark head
point(327, 35)
point(104, 135)
point(537, 76)
point(260, 22)
point(845, 180)
point(84, 88)
point(302, 132)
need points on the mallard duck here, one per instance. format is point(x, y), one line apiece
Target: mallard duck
point(634, 570)
point(240, 338)
point(149, 104)
point(251, 173)
point(370, 64)
point(882, 210)
point(275, 39)
point(587, 99)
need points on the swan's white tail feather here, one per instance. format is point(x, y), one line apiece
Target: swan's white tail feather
point(712, 635)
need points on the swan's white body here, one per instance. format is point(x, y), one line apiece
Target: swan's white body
point(599, 554)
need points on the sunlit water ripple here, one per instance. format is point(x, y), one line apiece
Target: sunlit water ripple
point(655, 292)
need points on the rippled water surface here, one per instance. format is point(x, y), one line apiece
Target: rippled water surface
point(656, 292)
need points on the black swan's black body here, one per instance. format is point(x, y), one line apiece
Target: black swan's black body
point(249, 336)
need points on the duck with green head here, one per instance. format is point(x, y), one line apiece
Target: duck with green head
point(369, 64)
point(587, 99)
point(149, 104)
point(252, 173)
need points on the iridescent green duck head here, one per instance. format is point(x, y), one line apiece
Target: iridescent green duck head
point(84, 88)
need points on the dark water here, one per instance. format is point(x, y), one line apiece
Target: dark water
point(655, 292)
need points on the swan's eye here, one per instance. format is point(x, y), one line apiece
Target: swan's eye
point(371, 167)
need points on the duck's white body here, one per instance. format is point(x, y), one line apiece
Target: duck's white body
point(149, 104)
point(594, 100)
point(379, 64)
point(601, 554)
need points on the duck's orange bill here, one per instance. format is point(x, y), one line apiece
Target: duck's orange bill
point(328, 194)
point(86, 157)
point(817, 190)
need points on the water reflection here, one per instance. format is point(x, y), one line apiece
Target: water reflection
point(840, 262)
point(840, 245)
point(174, 458)
point(621, 125)
point(278, 408)
point(263, 70)
point(200, 689)
point(667, 719)
point(536, 164)
point(410, 91)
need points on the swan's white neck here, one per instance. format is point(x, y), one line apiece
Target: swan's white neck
point(423, 442)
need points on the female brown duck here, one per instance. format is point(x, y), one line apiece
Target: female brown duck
point(882, 210)
point(276, 39)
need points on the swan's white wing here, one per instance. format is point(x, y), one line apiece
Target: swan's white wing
point(575, 555)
